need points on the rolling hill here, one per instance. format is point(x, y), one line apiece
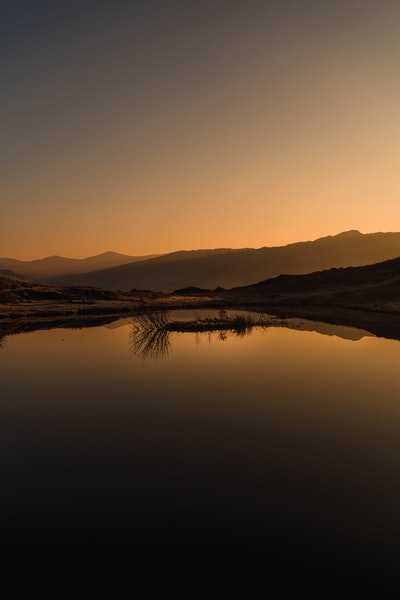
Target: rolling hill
point(7, 273)
point(14, 290)
point(366, 297)
point(51, 266)
point(231, 268)
point(371, 286)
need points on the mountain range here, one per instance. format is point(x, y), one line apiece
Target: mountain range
point(231, 268)
point(370, 286)
point(223, 267)
point(366, 297)
point(52, 266)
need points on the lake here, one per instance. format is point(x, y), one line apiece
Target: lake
point(279, 449)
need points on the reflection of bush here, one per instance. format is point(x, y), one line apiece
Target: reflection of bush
point(225, 323)
point(149, 337)
point(2, 340)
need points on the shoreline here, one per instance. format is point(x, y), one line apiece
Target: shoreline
point(31, 316)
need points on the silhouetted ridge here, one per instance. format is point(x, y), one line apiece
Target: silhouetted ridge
point(16, 289)
point(346, 276)
point(47, 268)
point(11, 274)
point(226, 268)
point(190, 291)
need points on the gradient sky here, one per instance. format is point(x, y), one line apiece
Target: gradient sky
point(146, 127)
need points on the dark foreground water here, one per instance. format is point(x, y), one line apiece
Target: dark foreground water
point(279, 450)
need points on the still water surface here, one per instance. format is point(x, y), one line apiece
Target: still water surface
point(279, 447)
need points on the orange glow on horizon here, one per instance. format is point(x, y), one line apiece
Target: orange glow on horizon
point(140, 138)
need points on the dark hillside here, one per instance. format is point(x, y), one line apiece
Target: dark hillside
point(231, 268)
point(370, 286)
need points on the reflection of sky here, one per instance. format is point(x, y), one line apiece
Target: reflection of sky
point(149, 127)
point(281, 432)
point(97, 362)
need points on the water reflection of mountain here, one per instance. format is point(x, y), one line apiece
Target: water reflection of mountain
point(120, 322)
point(342, 331)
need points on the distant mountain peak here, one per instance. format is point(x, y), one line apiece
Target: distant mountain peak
point(350, 233)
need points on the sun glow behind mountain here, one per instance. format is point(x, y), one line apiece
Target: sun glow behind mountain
point(146, 129)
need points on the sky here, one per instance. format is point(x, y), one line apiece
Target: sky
point(148, 127)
